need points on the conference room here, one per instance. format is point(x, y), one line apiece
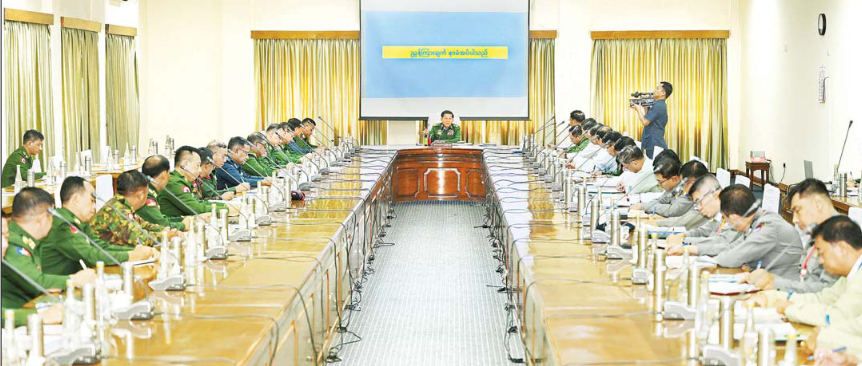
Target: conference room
point(402, 182)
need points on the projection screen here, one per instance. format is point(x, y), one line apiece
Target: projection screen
point(419, 58)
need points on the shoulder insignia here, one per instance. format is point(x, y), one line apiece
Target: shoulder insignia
point(23, 160)
point(23, 251)
point(186, 189)
point(29, 242)
point(195, 184)
point(151, 202)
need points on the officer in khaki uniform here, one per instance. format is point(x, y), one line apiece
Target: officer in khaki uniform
point(23, 158)
point(839, 242)
point(445, 131)
point(178, 200)
point(117, 222)
point(65, 245)
point(31, 222)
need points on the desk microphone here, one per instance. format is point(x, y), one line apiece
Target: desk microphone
point(29, 280)
point(846, 134)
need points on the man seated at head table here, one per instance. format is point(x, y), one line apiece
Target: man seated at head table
point(67, 244)
point(446, 130)
point(672, 202)
point(643, 180)
point(51, 315)
point(714, 236)
point(767, 240)
point(31, 222)
point(811, 206)
point(838, 242)
point(22, 157)
point(692, 219)
point(178, 198)
point(232, 173)
point(117, 221)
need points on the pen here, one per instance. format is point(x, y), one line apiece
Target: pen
point(759, 264)
point(789, 294)
point(839, 349)
point(827, 320)
point(84, 266)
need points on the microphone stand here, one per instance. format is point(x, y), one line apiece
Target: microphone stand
point(846, 134)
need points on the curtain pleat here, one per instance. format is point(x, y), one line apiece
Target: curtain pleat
point(121, 94)
point(80, 92)
point(697, 69)
point(27, 93)
point(541, 104)
point(312, 78)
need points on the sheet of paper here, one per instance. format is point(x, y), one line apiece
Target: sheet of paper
point(727, 288)
point(771, 198)
point(675, 261)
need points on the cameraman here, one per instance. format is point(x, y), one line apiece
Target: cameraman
point(655, 119)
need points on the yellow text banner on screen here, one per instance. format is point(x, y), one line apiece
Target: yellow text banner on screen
point(445, 52)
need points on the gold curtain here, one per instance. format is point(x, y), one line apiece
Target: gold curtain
point(27, 94)
point(80, 92)
point(541, 101)
point(697, 69)
point(121, 83)
point(310, 78)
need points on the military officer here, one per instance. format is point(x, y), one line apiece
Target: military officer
point(766, 238)
point(52, 315)
point(65, 246)
point(273, 151)
point(445, 131)
point(130, 229)
point(31, 222)
point(23, 158)
point(670, 203)
point(206, 182)
point(219, 154)
point(811, 206)
point(180, 200)
point(839, 242)
point(290, 148)
point(232, 173)
point(298, 145)
point(714, 236)
point(579, 141)
point(158, 169)
point(256, 163)
point(308, 126)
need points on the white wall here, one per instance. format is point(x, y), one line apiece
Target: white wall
point(115, 12)
point(782, 54)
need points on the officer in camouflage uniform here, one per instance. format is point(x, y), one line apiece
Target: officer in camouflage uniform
point(23, 157)
point(130, 229)
point(445, 131)
point(66, 245)
point(31, 222)
point(178, 199)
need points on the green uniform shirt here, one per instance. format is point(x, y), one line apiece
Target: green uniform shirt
point(64, 246)
point(277, 155)
point(253, 166)
point(445, 134)
point(153, 213)
point(22, 255)
point(181, 201)
point(17, 158)
point(302, 143)
point(109, 226)
point(209, 188)
point(581, 145)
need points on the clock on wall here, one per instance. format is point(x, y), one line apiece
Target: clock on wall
point(821, 24)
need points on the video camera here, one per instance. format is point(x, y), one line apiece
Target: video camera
point(642, 98)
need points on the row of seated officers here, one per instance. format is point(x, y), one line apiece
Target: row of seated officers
point(50, 245)
point(807, 269)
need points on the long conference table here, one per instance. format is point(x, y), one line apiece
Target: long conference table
point(281, 298)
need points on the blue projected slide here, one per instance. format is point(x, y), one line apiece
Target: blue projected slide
point(469, 57)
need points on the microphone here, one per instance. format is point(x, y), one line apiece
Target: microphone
point(846, 134)
point(196, 216)
point(222, 169)
point(590, 157)
point(30, 281)
point(327, 125)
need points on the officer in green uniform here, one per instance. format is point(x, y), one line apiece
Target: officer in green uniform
point(212, 158)
point(286, 136)
point(178, 199)
point(116, 222)
point(308, 126)
point(52, 315)
point(65, 246)
point(31, 222)
point(158, 169)
point(445, 131)
point(256, 163)
point(579, 141)
point(273, 150)
point(23, 157)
